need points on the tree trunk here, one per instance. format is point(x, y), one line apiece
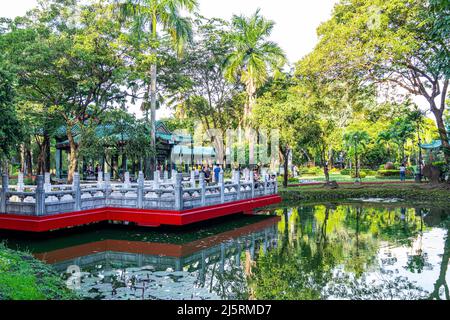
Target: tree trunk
point(73, 155)
point(47, 153)
point(23, 165)
point(44, 157)
point(441, 281)
point(285, 166)
point(29, 160)
point(251, 90)
point(153, 117)
point(443, 135)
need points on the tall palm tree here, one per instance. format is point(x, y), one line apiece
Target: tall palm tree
point(253, 58)
point(149, 18)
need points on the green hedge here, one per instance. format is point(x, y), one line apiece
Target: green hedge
point(388, 173)
point(365, 172)
point(313, 171)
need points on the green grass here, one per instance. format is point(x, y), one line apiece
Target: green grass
point(347, 178)
point(413, 192)
point(22, 277)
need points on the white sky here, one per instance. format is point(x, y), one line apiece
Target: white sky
point(295, 29)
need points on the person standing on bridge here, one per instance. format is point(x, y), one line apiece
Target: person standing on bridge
point(216, 173)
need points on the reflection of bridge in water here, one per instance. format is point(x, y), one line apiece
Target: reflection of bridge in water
point(223, 249)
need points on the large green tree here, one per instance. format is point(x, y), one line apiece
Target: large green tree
point(253, 60)
point(72, 60)
point(10, 128)
point(150, 21)
point(401, 44)
point(200, 91)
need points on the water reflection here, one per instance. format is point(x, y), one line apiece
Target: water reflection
point(356, 252)
point(351, 251)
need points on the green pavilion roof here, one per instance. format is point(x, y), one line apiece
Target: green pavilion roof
point(199, 151)
point(435, 144)
point(104, 130)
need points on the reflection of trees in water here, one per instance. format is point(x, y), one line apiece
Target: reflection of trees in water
point(345, 286)
point(299, 268)
point(441, 286)
point(334, 250)
point(230, 284)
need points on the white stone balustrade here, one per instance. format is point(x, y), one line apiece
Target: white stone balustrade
point(175, 194)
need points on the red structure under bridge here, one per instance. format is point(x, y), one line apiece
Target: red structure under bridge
point(162, 201)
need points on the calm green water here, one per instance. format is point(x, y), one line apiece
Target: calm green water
point(347, 251)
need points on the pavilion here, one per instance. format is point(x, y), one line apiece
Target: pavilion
point(166, 143)
point(434, 148)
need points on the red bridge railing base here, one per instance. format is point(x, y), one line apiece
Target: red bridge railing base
point(149, 218)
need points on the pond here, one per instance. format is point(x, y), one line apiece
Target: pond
point(354, 250)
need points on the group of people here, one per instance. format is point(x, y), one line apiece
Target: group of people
point(209, 172)
point(212, 173)
point(90, 171)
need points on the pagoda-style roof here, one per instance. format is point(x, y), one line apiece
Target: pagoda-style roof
point(108, 130)
point(435, 144)
point(183, 150)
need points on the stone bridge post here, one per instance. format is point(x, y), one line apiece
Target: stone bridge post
point(192, 179)
point(265, 184)
point(76, 188)
point(40, 196)
point(276, 185)
point(4, 193)
point(178, 190)
point(156, 178)
point(222, 187)
point(107, 187)
point(140, 190)
point(100, 179)
point(20, 183)
point(47, 182)
point(238, 187)
point(203, 188)
point(252, 186)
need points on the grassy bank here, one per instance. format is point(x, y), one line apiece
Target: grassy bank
point(412, 192)
point(22, 277)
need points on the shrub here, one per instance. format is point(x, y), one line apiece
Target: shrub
point(366, 172)
point(389, 166)
point(388, 173)
point(362, 174)
point(313, 171)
